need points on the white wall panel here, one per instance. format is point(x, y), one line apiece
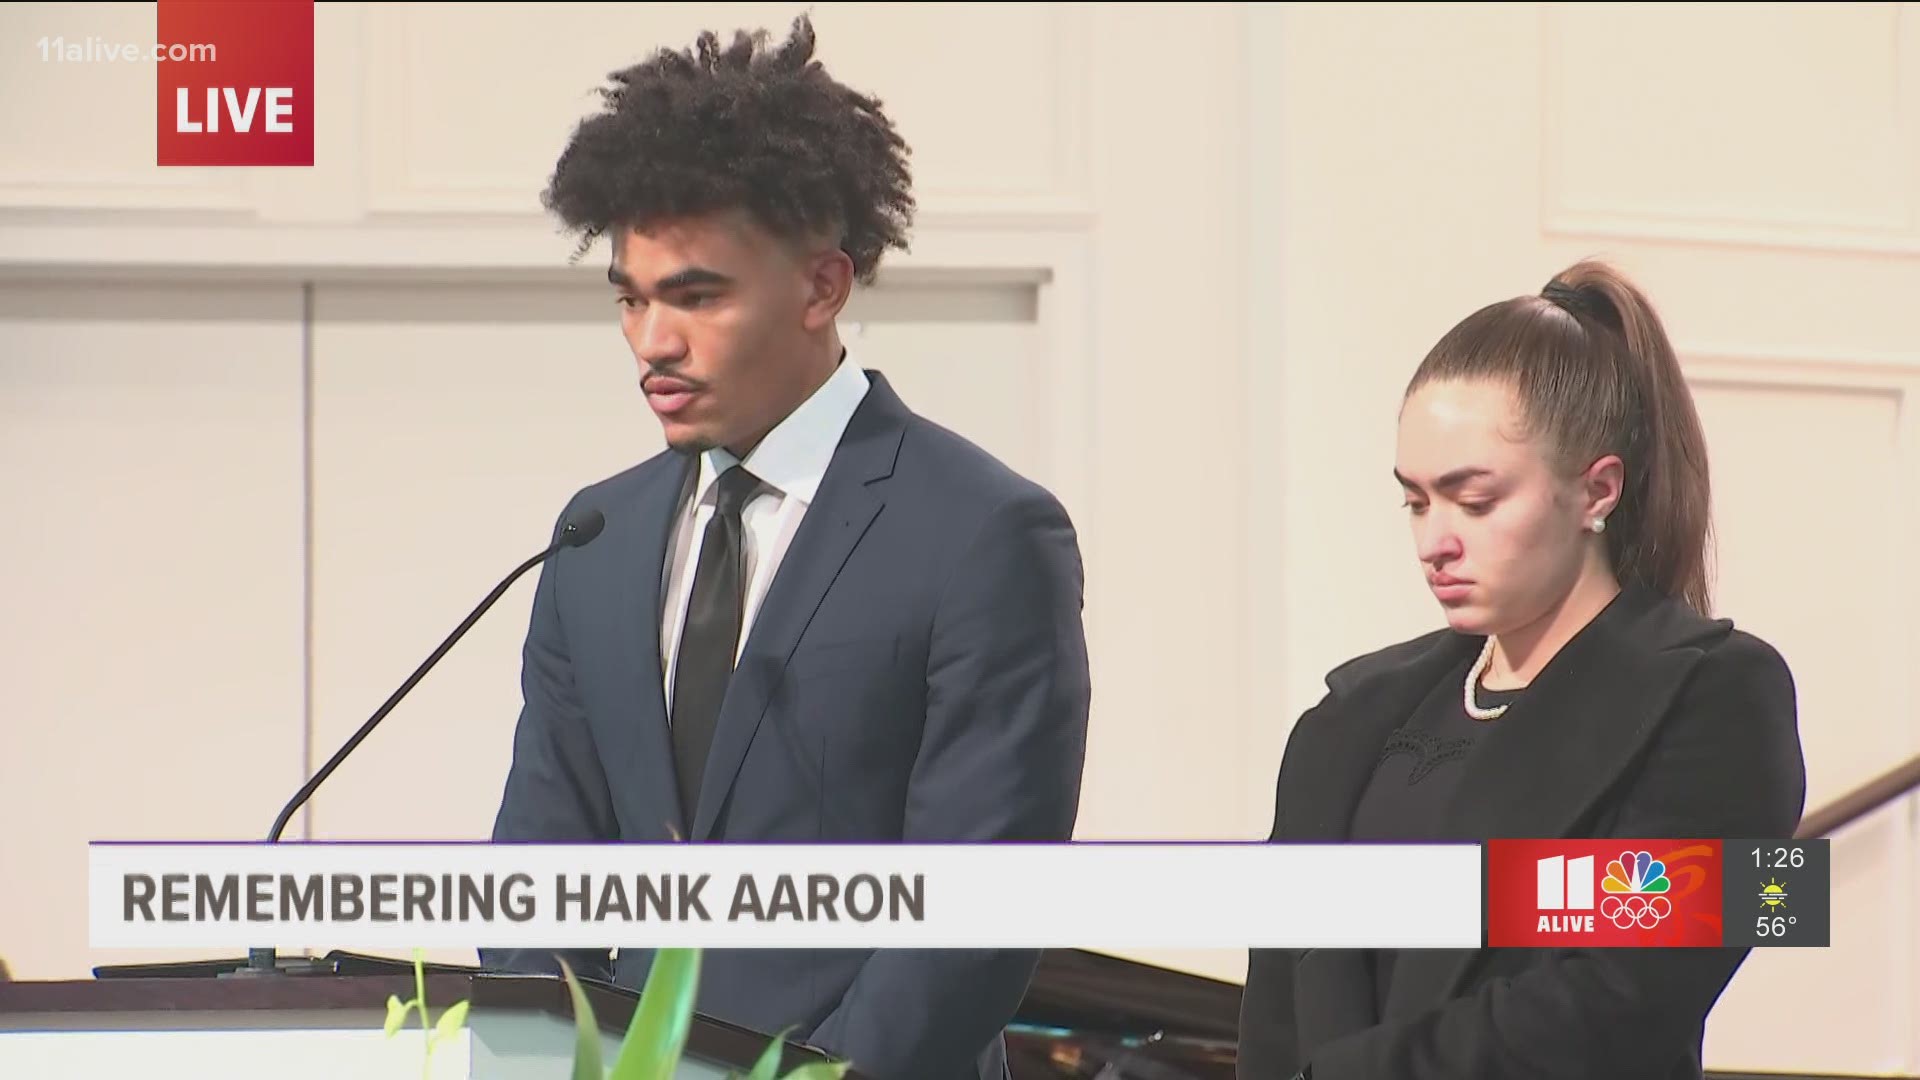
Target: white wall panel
point(442, 141)
point(41, 165)
point(151, 633)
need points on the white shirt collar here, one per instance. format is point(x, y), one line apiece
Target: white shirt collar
point(794, 456)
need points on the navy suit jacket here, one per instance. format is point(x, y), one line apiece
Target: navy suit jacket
point(917, 672)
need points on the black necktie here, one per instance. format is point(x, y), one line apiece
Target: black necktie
point(711, 635)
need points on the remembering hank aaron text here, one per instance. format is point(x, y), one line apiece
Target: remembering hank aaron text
point(517, 897)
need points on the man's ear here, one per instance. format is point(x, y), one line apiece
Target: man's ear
point(829, 284)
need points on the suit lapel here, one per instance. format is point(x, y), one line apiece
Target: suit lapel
point(1556, 753)
point(655, 801)
point(1334, 757)
point(1336, 753)
point(851, 496)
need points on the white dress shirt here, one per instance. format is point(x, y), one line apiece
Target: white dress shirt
point(790, 462)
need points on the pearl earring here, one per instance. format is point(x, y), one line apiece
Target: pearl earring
point(1599, 525)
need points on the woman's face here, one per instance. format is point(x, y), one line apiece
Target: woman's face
point(1501, 538)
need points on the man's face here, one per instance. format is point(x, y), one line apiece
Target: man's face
point(720, 315)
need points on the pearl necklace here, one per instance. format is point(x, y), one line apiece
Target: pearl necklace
point(1473, 679)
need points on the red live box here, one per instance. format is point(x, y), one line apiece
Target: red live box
point(1603, 893)
point(241, 89)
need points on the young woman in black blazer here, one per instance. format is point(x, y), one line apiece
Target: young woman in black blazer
point(1556, 481)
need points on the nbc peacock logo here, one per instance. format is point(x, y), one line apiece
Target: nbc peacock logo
point(1636, 886)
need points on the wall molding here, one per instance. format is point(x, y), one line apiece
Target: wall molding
point(1891, 374)
point(58, 242)
point(1894, 232)
point(1564, 224)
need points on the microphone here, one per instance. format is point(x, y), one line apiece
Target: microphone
point(578, 531)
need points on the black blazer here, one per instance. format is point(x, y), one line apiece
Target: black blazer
point(1651, 722)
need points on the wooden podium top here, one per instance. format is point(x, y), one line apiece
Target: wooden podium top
point(359, 1000)
point(1082, 1006)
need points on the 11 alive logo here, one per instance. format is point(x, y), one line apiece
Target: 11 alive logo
point(1600, 893)
point(252, 102)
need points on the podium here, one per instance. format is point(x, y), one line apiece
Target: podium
point(189, 1020)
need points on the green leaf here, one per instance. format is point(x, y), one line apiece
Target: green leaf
point(586, 1031)
point(450, 1021)
point(420, 985)
point(820, 1070)
point(768, 1067)
point(654, 1040)
point(396, 1013)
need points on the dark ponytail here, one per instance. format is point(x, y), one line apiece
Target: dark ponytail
point(1596, 375)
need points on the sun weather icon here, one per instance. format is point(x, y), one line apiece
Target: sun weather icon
point(1636, 885)
point(1773, 895)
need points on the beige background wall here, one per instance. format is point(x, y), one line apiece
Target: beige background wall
point(266, 436)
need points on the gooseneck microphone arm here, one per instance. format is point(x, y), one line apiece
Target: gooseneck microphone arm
point(577, 532)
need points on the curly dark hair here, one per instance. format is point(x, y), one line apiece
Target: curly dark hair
point(748, 127)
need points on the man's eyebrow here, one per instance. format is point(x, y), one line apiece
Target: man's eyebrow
point(690, 277)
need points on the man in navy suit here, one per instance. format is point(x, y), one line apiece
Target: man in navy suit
point(817, 617)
